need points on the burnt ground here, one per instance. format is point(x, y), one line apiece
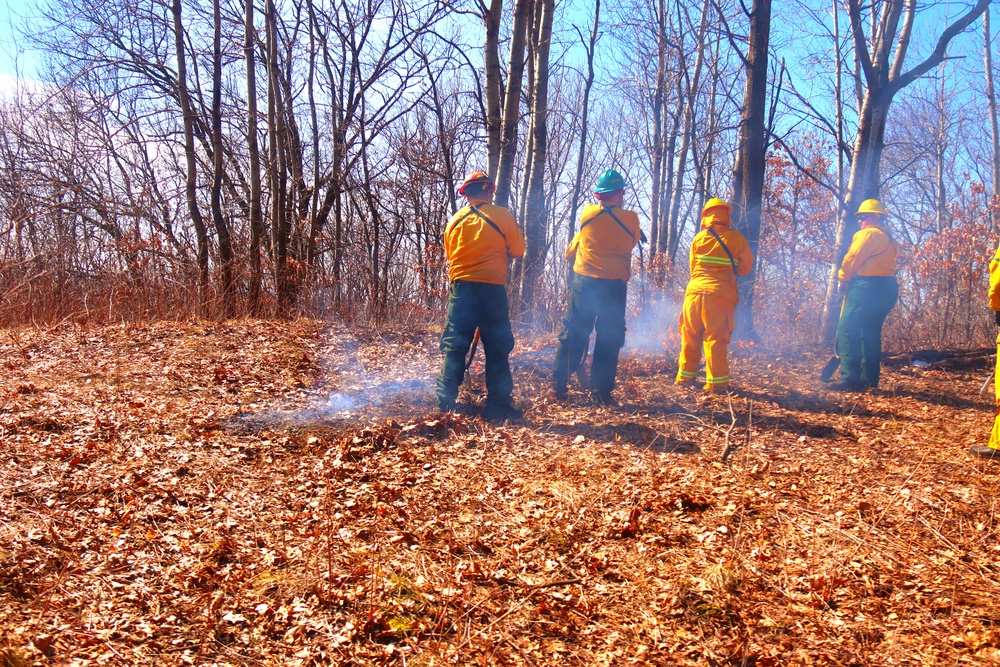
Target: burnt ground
point(257, 493)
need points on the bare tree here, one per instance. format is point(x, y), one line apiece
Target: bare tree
point(492, 16)
point(191, 177)
point(537, 210)
point(512, 102)
point(253, 153)
point(991, 105)
point(226, 255)
point(591, 47)
point(881, 78)
point(748, 172)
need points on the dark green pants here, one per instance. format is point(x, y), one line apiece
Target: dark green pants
point(473, 305)
point(859, 332)
point(593, 303)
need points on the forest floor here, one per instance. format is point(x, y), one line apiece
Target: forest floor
point(259, 493)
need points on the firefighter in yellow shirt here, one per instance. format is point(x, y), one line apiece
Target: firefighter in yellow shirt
point(869, 269)
point(479, 241)
point(992, 450)
point(719, 254)
point(601, 253)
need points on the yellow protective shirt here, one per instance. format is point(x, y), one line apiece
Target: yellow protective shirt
point(602, 248)
point(872, 253)
point(995, 287)
point(711, 270)
point(475, 250)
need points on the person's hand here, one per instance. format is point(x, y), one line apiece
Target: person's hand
point(996, 316)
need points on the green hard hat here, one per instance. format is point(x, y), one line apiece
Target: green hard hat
point(610, 181)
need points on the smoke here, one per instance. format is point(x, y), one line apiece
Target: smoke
point(380, 394)
point(360, 380)
point(654, 328)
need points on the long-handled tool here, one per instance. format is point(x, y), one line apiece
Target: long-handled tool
point(831, 366)
point(987, 383)
point(642, 271)
point(472, 356)
point(583, 371)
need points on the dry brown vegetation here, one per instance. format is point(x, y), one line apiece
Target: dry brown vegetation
point(186, 493)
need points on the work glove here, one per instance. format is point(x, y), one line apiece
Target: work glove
point(642, 237)
point(996, 316)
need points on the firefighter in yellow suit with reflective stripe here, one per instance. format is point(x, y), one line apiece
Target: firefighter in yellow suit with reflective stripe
point(992, 450)
point(711, 297)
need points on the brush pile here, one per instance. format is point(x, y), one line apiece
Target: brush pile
point(285, 494)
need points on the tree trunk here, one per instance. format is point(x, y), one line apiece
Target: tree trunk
point(491, 61)
point(687, 132)
point(256, 217)
point(226, 256)
point(991, 101)
point(656, 152)
point(191, 177)
point(512, 102)
point(314, 120)
point(276, 149)
point(588, 84)
point(748, 173)
point(535, 217)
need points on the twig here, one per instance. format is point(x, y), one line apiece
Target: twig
point(729, 445)
point(557, 582)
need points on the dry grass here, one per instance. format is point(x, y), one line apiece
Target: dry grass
point(186, 493)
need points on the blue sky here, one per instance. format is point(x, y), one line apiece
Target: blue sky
point(13, 57)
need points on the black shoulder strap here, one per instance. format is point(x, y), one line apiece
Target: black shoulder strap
point(605, 209)
point(620, 223)
point(728, 254)
point(488, 221)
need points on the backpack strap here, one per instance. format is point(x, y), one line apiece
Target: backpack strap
point(488, 221)
point(724, 247)
point(605, 209)
point(482, 215)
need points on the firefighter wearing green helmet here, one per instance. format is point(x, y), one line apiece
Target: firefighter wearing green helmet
point(601, 253)
point(869, 269)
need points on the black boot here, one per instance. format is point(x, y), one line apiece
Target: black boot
point(985, 452)
point(502, 412)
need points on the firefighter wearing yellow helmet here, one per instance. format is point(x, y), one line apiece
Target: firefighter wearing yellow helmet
point(992, 449)
point(719, 254)
point(479, 241)
point(869, 269)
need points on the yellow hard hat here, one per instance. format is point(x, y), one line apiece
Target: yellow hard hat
point(871, 206)
point(715, 202)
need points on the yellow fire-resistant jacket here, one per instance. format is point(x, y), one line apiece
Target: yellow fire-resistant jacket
point(477, 251)
point(603, 248)
point(711, 270)
point(872, 253)
point(995, 286)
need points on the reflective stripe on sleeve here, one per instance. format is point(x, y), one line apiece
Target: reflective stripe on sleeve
point(709, 259)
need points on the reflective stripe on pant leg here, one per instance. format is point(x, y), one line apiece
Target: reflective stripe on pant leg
point(718, 333)
point(692, 330)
